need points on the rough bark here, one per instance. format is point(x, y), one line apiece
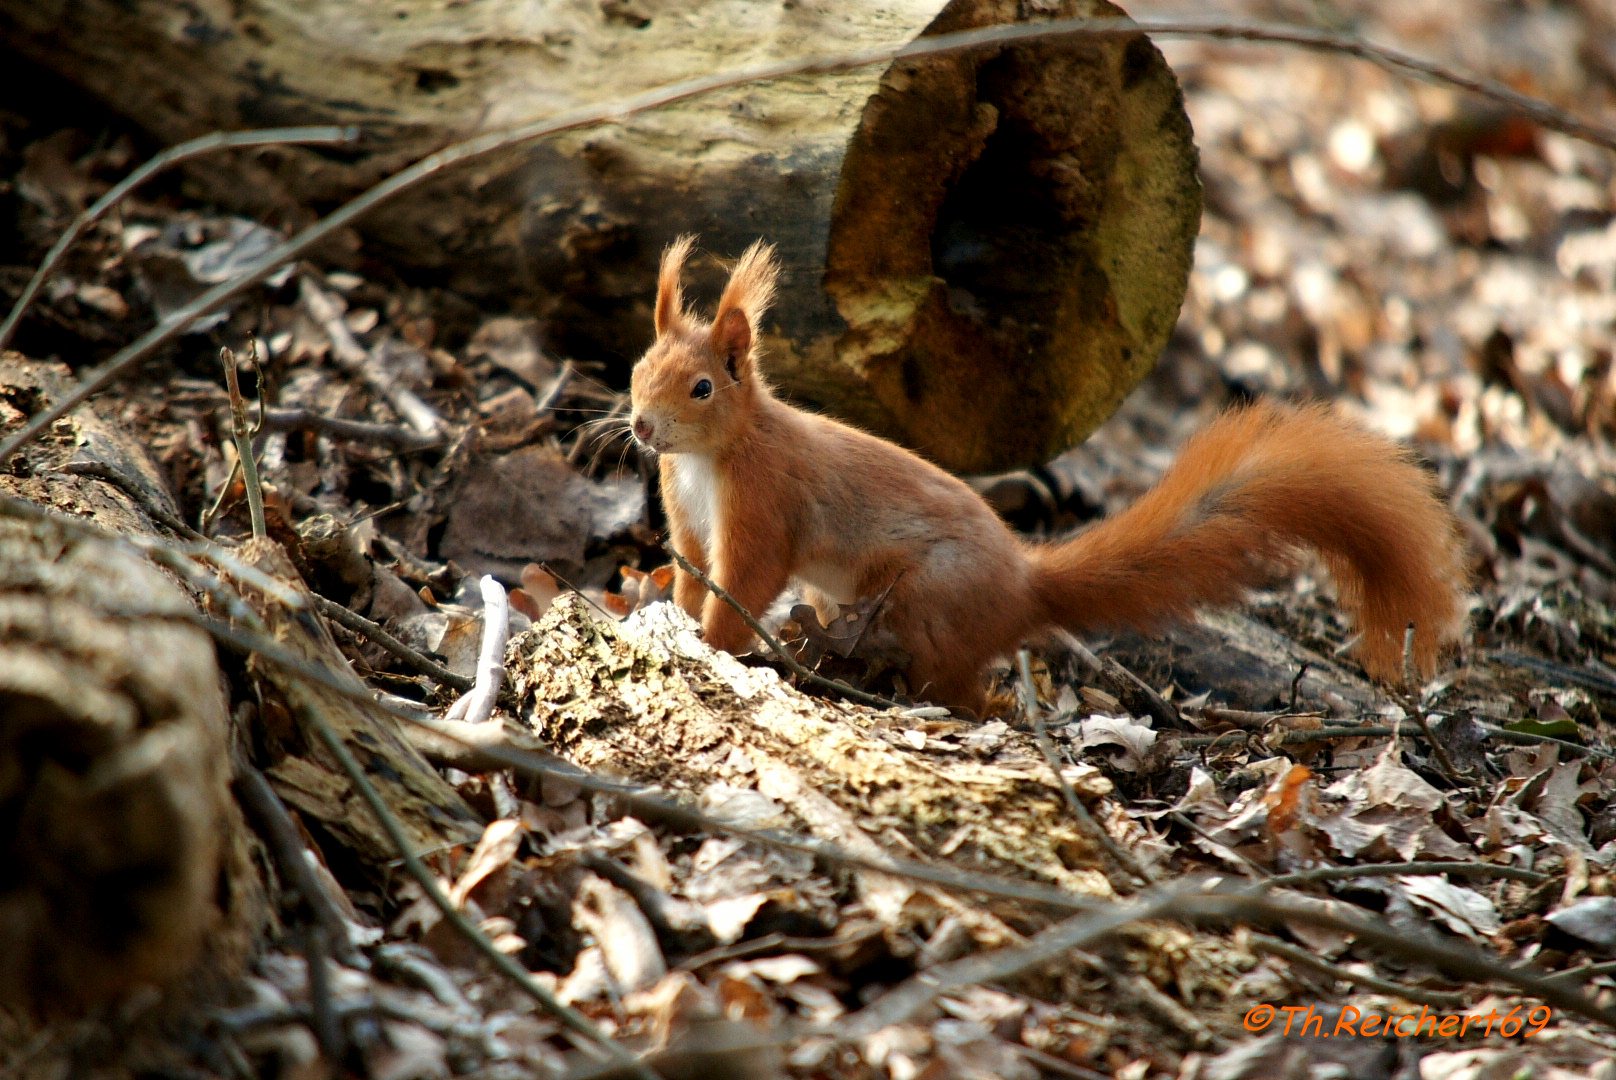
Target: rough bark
point(127, 861)
point(983, 254)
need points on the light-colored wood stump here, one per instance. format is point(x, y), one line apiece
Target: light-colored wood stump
point(647, 700)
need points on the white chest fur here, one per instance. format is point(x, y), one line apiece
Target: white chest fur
point(695, 486)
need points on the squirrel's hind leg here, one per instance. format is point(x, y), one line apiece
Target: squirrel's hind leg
point(956, 687)
point(945, 654)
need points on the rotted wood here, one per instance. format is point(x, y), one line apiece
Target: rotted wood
point(647, 700)
point(129, 861)
point(983, 253)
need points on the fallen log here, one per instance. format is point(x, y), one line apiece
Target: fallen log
point(128, 862)
point(649, 701)
point(983, 252)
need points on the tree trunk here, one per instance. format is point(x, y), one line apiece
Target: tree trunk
point(983, 253)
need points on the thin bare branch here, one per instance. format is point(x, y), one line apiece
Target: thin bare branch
point(1456, 959)
point(217, 508)
point(1409, 698)
point(360, 363)
point(1586, 972)
point(557, 387)
point(1375, 731)
point(100, 470)
point(1440, 999)
point(424, 877)
point(374, 632)
point(355, 430)
point(1531, 738)
point(905, 1000)
point(274, 823)
point(1074, 806)
point(1165, 714)
point(1323, 874)
point(243, 439)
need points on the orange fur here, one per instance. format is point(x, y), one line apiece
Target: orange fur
point(759, 493)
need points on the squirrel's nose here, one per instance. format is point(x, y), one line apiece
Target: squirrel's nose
point(642, 428)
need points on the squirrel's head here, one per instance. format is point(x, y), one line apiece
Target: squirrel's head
point(698, 380)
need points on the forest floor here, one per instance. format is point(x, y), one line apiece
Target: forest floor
point(1437, 268)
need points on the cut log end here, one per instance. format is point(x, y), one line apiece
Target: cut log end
point(1011, 239)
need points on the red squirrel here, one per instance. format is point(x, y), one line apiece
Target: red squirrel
point(759, 493)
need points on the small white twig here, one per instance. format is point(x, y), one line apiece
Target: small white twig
point(477, 705)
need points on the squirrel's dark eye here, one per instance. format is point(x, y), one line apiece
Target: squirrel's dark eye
point(702, 389)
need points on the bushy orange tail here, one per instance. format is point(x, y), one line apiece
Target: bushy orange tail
point(1245, 494)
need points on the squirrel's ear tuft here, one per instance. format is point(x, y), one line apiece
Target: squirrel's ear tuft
point(670, 301)
point(741, 307)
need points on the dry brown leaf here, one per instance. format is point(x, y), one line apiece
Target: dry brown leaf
point(531, 505)
point(539, 589)
point(500, 842)
point(628, 946)
point(1463, 910)
point(640, 589)
point(513, 344)
point(854, 633)
point(744, 997)
point(1132, 736)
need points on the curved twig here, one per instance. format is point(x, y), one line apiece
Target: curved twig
point(1442, 999)
point(796, 667)
point(477, 704)
point(1428, 866)
point(376, 633)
